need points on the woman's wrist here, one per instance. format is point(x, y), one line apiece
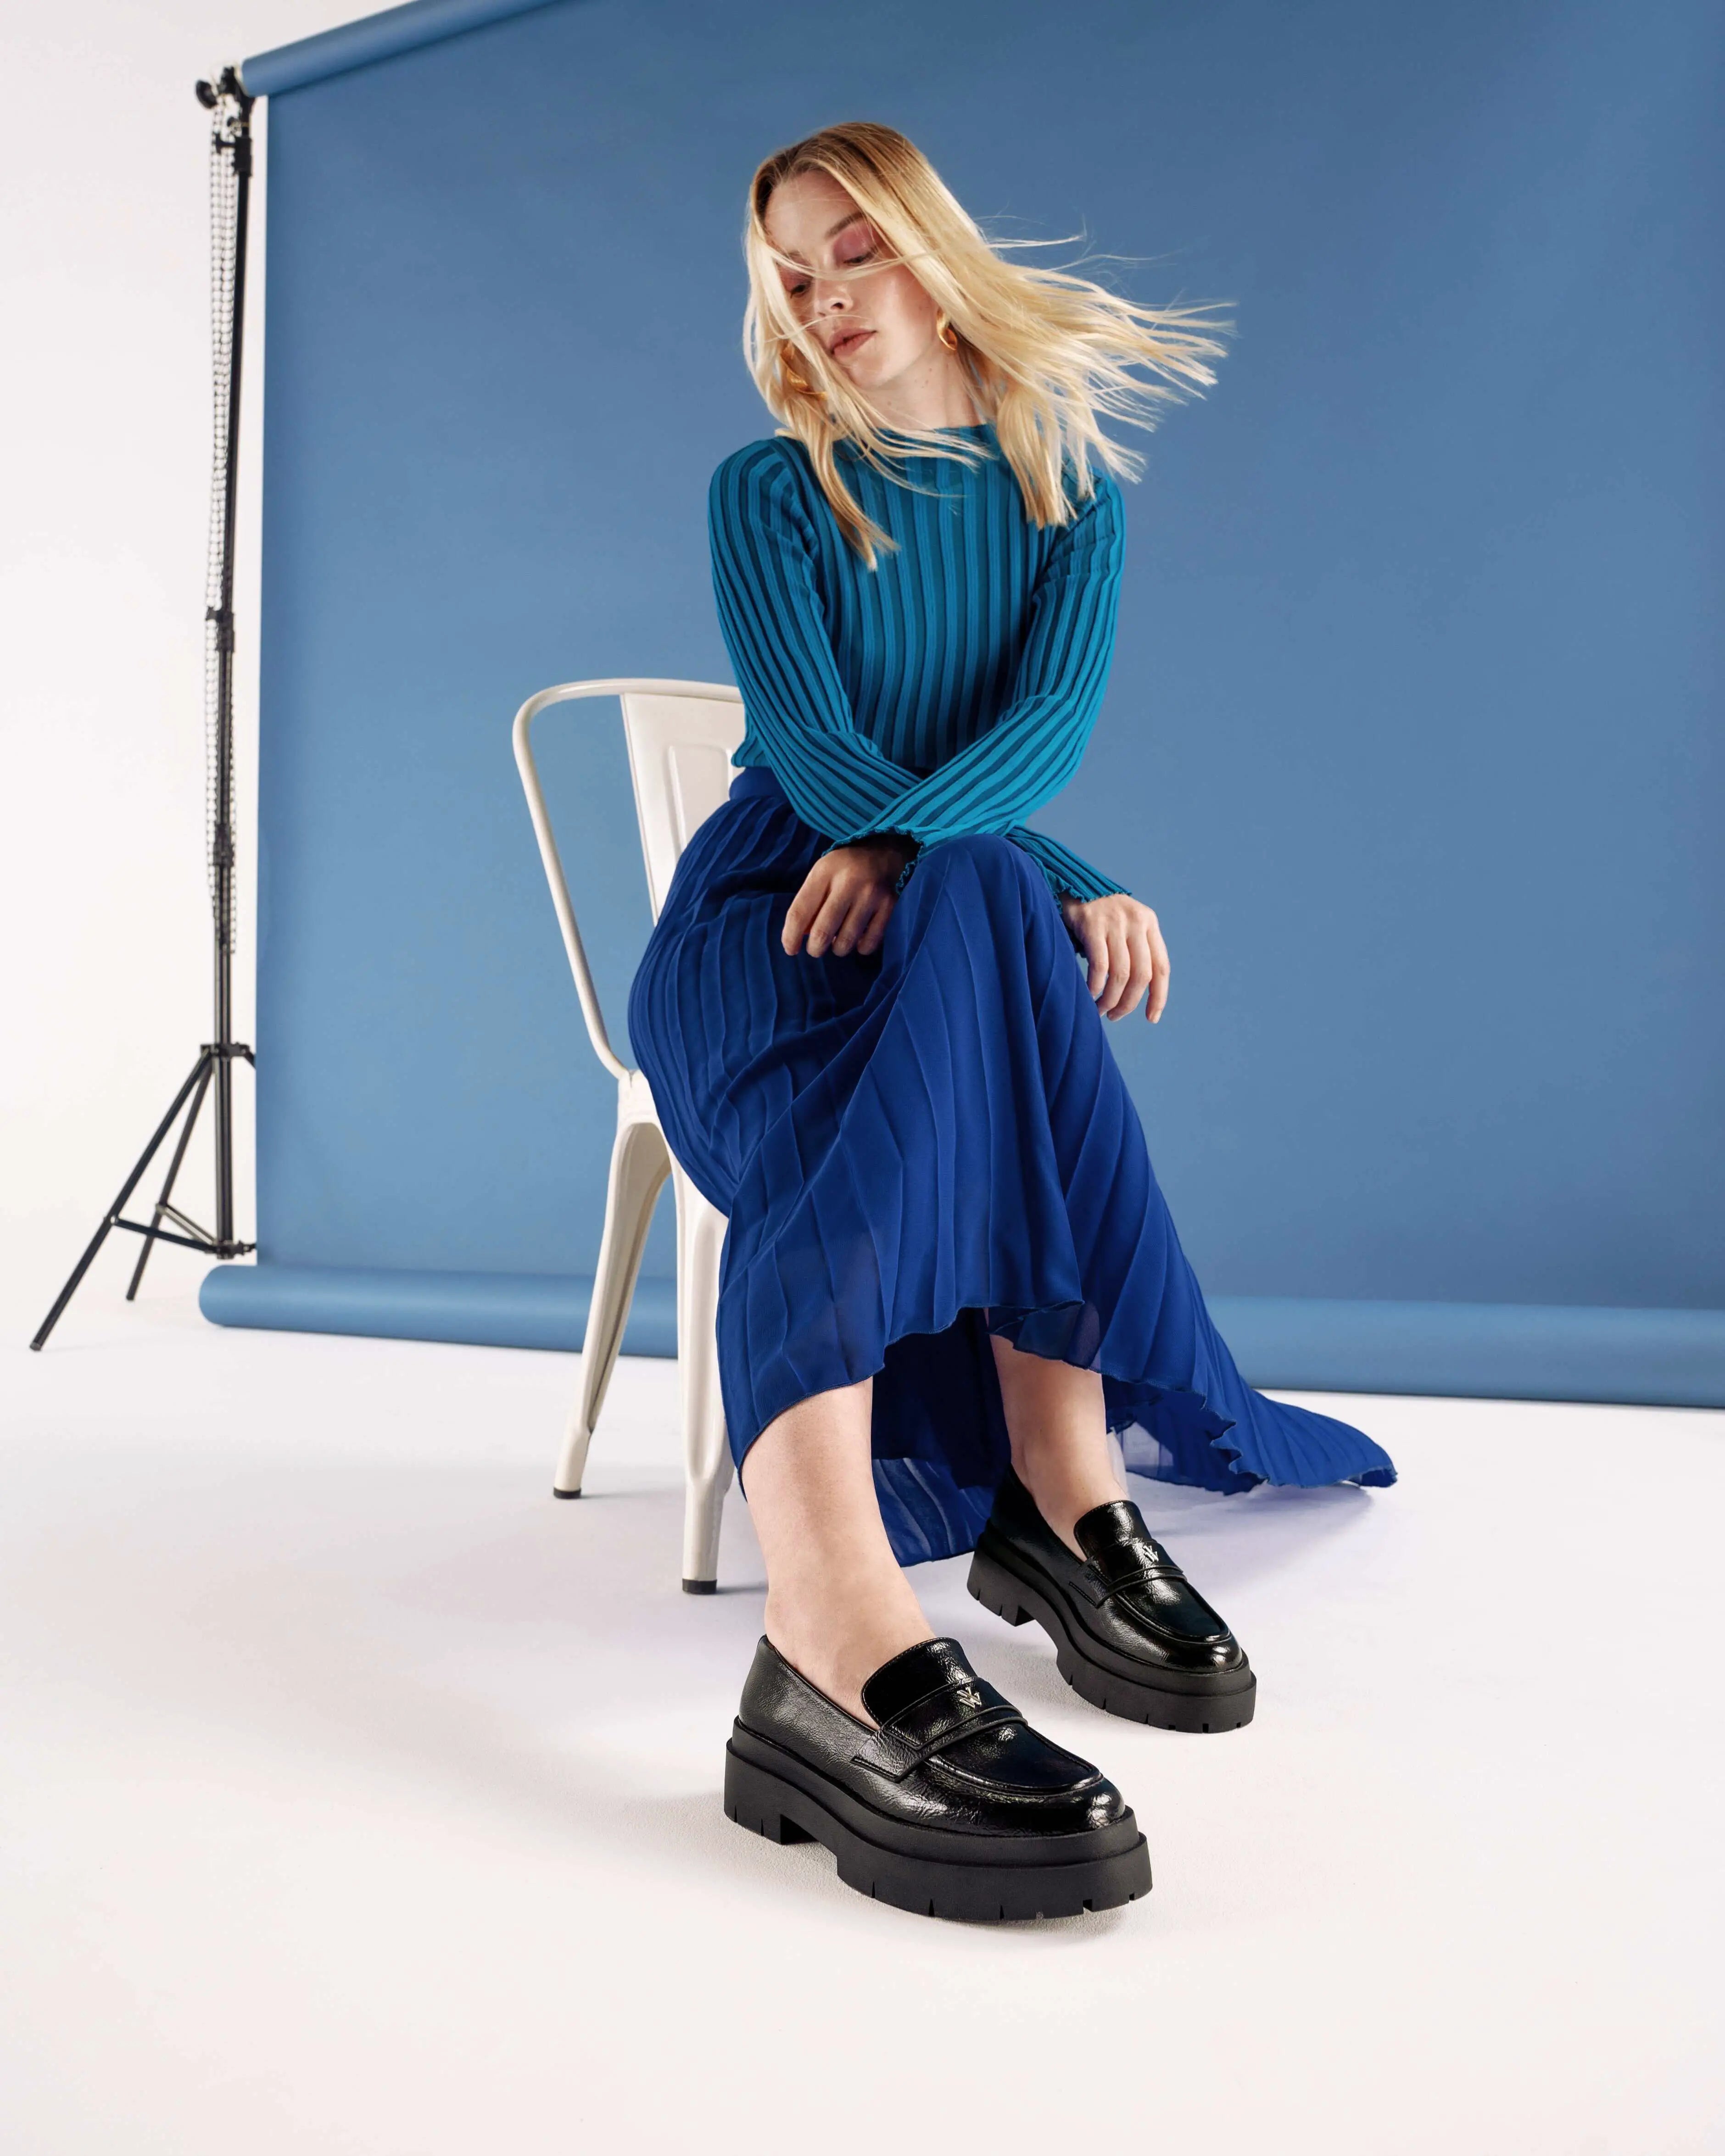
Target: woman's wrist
point(898, 846)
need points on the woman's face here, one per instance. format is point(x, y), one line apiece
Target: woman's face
point(878, 327)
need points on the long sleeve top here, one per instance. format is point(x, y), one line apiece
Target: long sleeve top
point(950, 689)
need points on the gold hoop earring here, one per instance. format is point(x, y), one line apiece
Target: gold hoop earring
point(795, 380)
point(946, 332)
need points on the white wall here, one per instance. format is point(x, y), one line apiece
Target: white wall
point(105, 402)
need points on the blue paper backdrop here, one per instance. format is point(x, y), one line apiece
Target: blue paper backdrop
point(1412, 733)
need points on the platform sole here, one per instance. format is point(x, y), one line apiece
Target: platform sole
point(769, 1804)
point(1016, 1600)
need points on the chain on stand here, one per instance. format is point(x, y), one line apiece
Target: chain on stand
point(229, 161)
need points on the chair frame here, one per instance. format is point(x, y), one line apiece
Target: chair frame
point(640, 1162)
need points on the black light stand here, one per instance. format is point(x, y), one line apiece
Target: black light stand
point(230, 195)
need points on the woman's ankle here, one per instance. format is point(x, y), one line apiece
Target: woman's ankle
point(1066, 1480)
point(1056, 1415)
point(837, 1641)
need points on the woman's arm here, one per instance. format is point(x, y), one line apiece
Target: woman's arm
point(1069, 874)
point(770, 614)
point(763, 556)
point(1035, 746)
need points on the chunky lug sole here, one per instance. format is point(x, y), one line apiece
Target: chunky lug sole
point(1172, 1700)
point(768, 1791)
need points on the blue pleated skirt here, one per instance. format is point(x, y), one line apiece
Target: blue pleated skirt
point(918, 1148)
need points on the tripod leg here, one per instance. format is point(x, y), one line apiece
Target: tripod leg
point(167, 1188)
point(199, 1069)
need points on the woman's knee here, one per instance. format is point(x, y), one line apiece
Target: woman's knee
point(995, 861)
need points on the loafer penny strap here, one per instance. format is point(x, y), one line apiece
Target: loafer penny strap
point(929, 1725)
point(1120, 1569)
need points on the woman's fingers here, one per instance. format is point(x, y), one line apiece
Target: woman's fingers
point(870, 942)
point(817, 911)
point(1109, 936)
point(836, 906)
point(860, 902)
point(1096, 953)
point(801, 913)
point(1158, 987)
point(1127, 962)
point(1141, 964)
point(1119, 970)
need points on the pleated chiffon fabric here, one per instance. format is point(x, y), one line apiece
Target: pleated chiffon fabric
point(950, 689)
point(920, 1147)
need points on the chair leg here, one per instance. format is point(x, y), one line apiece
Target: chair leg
point(706, 1449)
point(639, 1163)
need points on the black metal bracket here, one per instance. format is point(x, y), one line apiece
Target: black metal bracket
point(213, 1057)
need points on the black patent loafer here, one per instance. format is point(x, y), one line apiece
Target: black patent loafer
point(953, 1806)
point(1131, 1634)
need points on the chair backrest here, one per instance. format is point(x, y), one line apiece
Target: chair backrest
point(679, 750)
point(680, 735)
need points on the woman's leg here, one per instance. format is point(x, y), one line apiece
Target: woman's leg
point(1058, 1425)
point(954, 1805)
point(838, 1605)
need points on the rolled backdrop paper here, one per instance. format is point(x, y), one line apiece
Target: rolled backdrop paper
point(1411, 736)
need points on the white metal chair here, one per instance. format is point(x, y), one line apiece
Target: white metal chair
point(680, 736)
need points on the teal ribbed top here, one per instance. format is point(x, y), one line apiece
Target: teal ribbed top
point(950, 689)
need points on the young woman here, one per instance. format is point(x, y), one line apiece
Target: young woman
point(872, 1015)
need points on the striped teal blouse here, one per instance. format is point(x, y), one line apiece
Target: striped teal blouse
point(950, 689)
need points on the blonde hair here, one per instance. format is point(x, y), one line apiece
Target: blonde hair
point(1045, 352)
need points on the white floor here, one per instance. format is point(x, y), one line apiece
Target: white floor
point(357, 1797)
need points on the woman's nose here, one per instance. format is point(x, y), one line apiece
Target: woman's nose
point(830, 294)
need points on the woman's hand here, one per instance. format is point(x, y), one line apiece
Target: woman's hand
point(846, 899)
point(1122, 940)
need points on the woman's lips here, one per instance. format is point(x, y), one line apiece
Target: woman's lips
point(852, 340)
